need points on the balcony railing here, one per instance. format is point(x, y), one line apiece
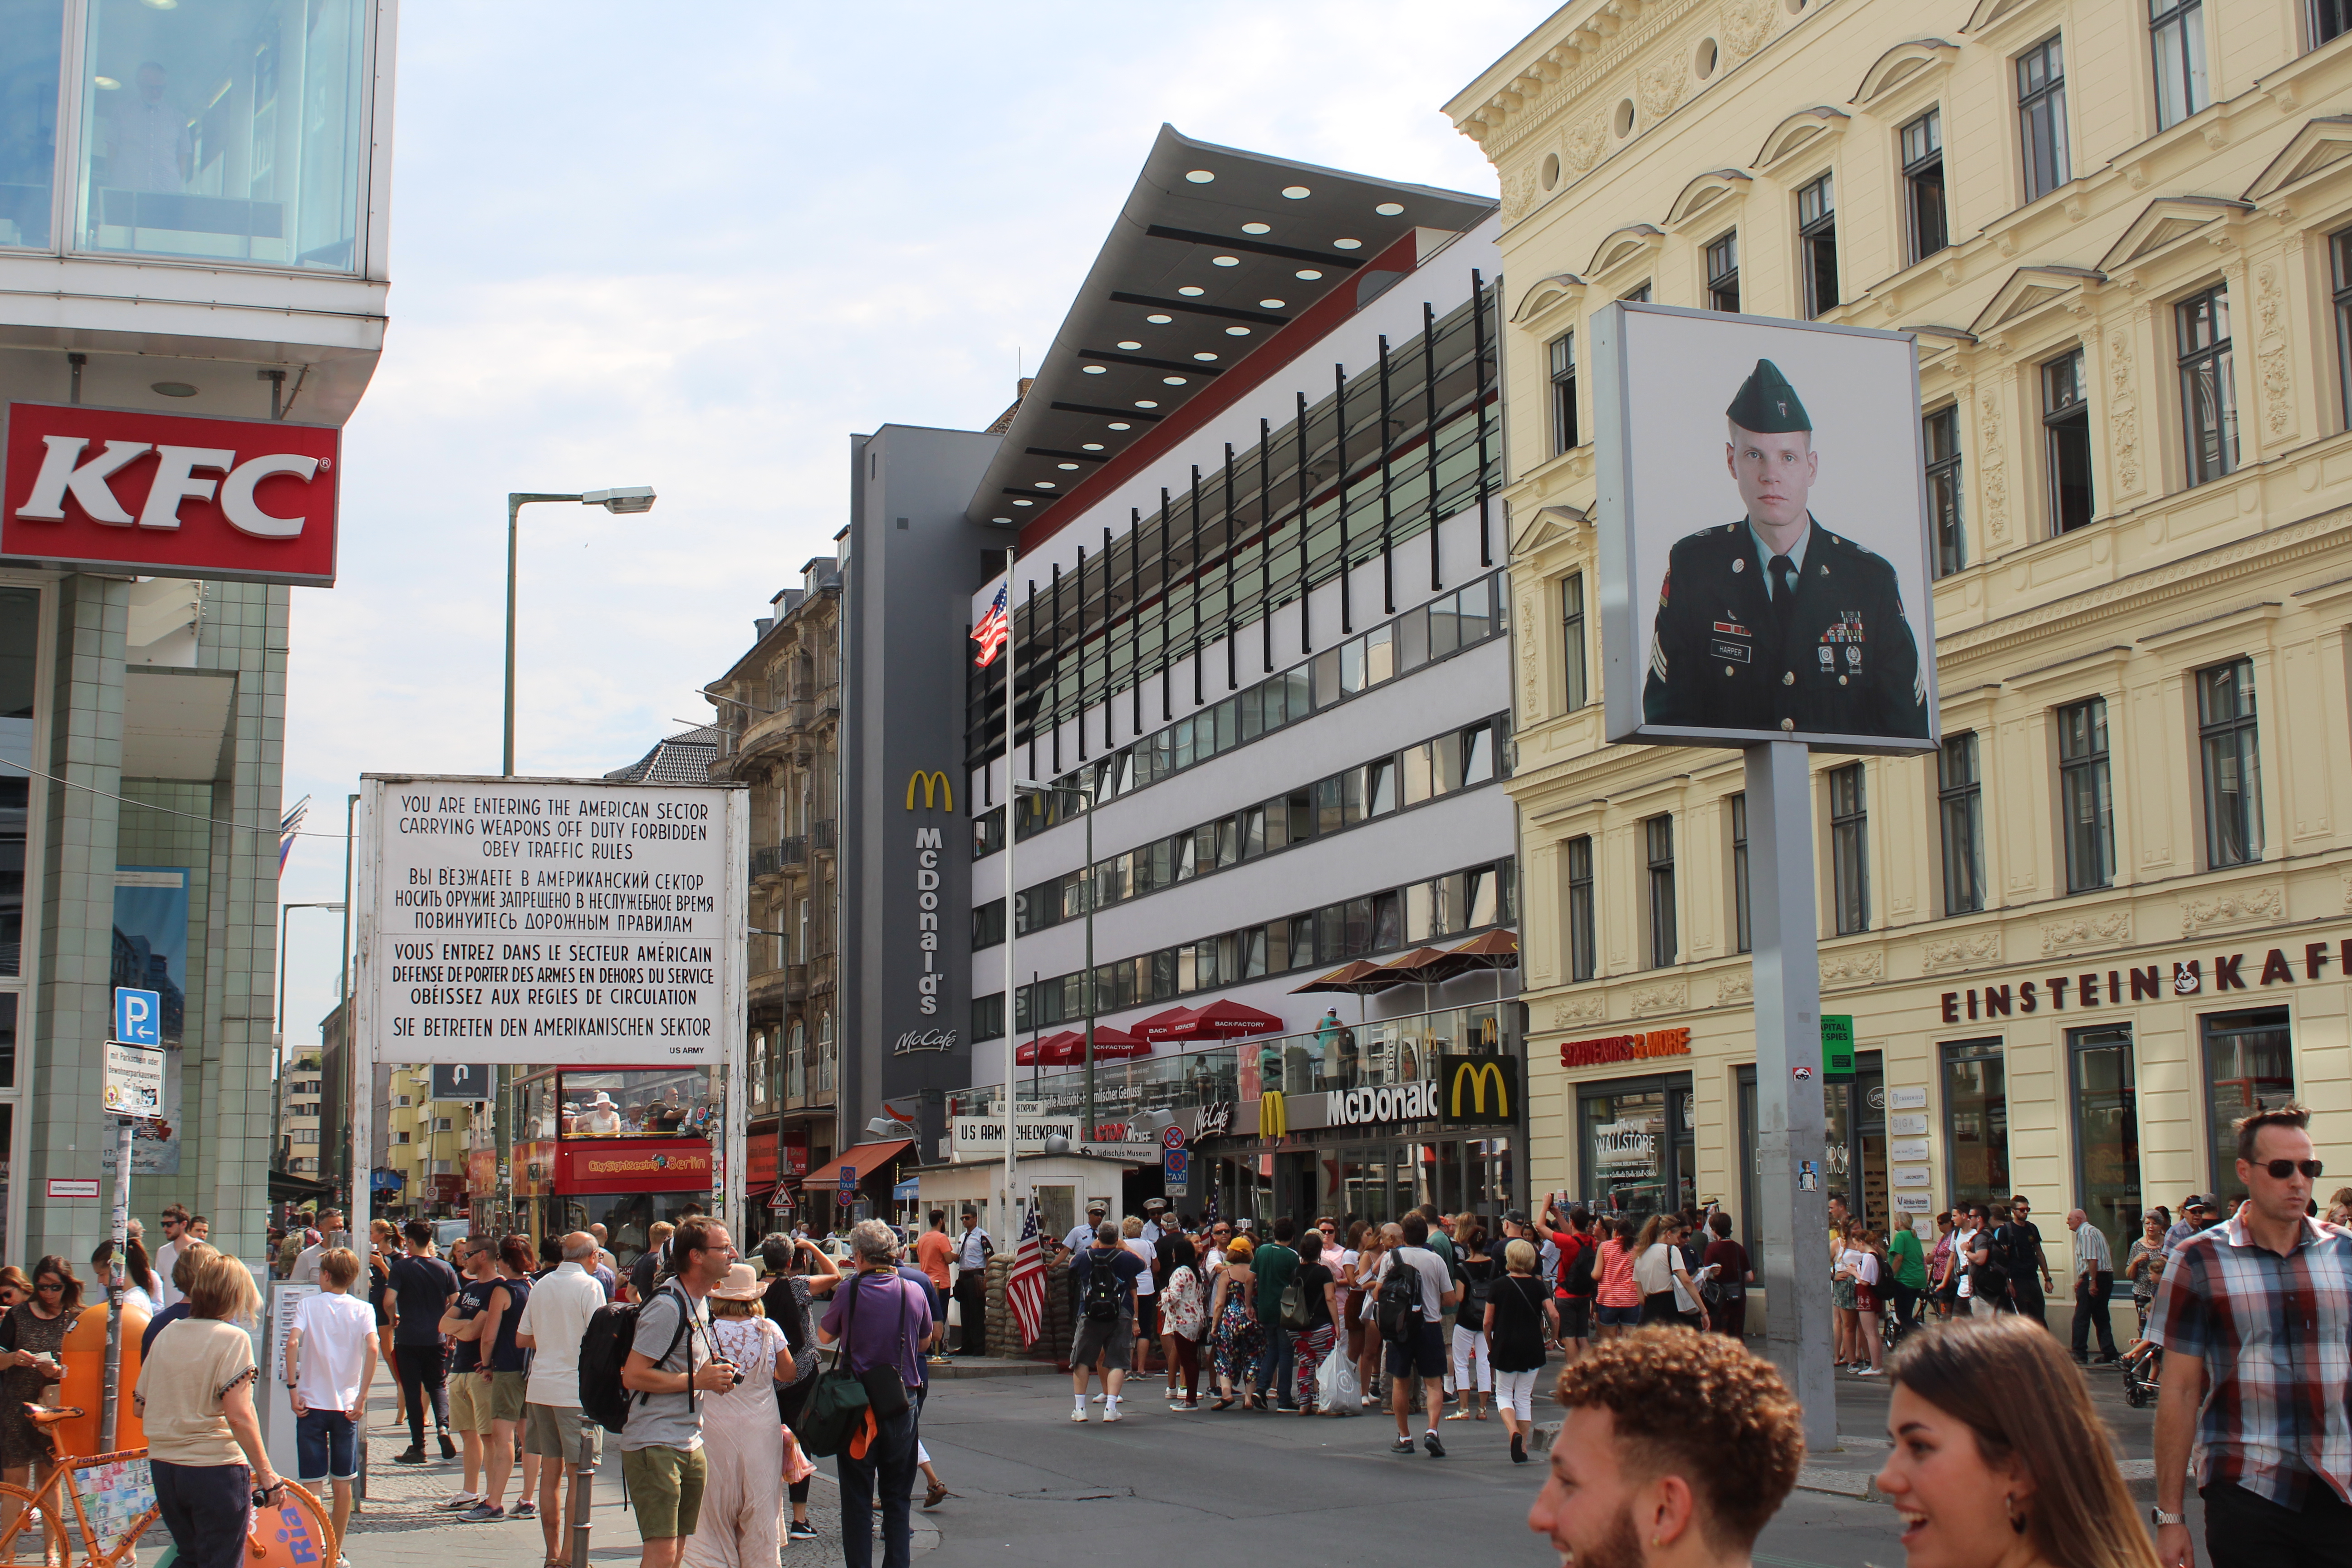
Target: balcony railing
point(771, 859)
point(821, 835)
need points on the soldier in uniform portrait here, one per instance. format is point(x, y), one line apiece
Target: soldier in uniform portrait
point(1773, 621)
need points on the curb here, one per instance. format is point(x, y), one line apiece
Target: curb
point(992, 1368)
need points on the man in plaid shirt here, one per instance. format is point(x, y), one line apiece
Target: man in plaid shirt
point(2255, 1320)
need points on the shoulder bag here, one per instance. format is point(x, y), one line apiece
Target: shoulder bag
point(838, 1403)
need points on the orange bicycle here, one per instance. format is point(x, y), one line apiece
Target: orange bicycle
point(113, 1502)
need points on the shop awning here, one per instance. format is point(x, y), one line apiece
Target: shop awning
point(865, 1159)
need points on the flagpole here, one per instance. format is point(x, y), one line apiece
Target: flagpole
point(1011, 921)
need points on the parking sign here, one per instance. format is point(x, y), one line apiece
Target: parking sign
point(138, 1016)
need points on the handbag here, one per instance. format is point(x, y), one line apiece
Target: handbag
point(837, 1404)
point(885, 1385)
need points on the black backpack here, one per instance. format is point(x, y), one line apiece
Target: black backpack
point(605, 1349)
point(1577, 1278)
point(1102, 1297)
point(1397, 1306)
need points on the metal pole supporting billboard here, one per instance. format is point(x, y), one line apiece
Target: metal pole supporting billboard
point(1788, 1111)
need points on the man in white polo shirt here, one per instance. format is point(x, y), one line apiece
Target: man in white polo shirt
point(554, 1320)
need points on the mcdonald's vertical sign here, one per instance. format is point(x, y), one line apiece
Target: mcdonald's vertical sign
point(1477, 1091)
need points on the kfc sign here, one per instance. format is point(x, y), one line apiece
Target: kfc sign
point(114, 490)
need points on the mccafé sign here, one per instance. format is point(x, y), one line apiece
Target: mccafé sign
point(117, 491)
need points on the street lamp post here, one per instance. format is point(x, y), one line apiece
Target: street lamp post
point(626, 500)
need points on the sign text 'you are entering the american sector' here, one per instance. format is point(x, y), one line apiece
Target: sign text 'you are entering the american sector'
point(549, 920)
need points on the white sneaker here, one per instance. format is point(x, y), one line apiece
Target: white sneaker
point(1096, 1399)
point(1079, 1415)
point(1110, 1413)
point(460, 1500)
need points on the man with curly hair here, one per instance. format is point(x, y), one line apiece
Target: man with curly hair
point(1676, 1451)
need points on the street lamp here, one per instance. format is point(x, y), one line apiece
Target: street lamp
point(283, 911)
point(627, 501)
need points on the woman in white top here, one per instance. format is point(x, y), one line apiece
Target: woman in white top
point(743, 1519)
point(1859, 1263)
point(1658, 1269)
point(1147, 1320)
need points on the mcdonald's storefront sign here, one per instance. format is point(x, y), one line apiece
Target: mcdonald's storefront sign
point(1477, 1091)
point(1272, 1115)
point(1415, 1101)
point(935, 787)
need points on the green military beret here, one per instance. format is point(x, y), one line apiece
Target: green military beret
point(1767, 404)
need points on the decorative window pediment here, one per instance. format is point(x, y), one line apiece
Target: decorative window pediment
point(1549, 525)
point(1560, 289)
point(2165, 221)
point(1635, 240)
point(1901, 64)
point(1990, 11)
point(2029, 291)
point(2320, 144)
point(1707, 191)
point(1804, 128)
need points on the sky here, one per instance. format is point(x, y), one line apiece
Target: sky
point(698, 247)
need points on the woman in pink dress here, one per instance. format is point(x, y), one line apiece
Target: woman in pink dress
point(744, 1443)
point(1616, 1299)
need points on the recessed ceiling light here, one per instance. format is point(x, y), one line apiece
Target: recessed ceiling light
point(1257, 228)
point(1094, 446)
point(1192, 291)
point(1204, 357)
point(1158, 320)
point(1389, 209)
point(1237, 332)
point(1308, 276)
point(1346, 245)
point(1043, 485)
point(1130, 344)
point(1296, 193)
point(1094, 370)
point(1270, 304)
point(1224, 261)
point(999, 519)
point(106, 83)
point(175, 389)
point(1121, 424)
point(1199, 176)
point(1172, 380)
point(1020, 502)
point(1145, 403)
point(1073, 468)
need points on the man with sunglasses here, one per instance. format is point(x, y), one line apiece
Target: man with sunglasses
point(2255, 1320)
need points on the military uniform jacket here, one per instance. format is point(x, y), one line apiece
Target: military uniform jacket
point(1838, 659)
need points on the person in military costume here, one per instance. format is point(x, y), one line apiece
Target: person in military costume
point(1773, 621)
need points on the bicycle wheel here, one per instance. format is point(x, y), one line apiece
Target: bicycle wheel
point(26, 1541)
point(293, 1533)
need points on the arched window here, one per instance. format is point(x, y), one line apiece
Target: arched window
point(764, 1086)
point(796, 1063)
point(824, 1052)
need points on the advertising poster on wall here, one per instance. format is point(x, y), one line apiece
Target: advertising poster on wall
point(151, 953)
point(1764, 540)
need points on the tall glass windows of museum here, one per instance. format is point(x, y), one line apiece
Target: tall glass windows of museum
point(1583, 938)
point(1817, 244)
point(231, 131)
point(1923, 184)
point(2248, 1066)
point(2086, 799)
point(2330, 19)
point(2066, 441)
point(1659, 836)
point(1562, 352)
point(2340, 252)
point(32, 39)
point(1940, 439)
point(1850, 849)
point(2208, 402)
point(1960, 806)
point(2106, 1131)
point(1577, 689)
point(2232, 765)
point(1743, 928)
point(1976, 1121)
point(1723, 274)
point(2177, 36)
point(2041, 118)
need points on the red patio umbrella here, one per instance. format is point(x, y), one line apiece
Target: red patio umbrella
point(1162, 1025)
point(1226, 1019)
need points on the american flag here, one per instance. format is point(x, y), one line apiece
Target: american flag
point(994, 628)
point(289, 827)
point(1024, 1287)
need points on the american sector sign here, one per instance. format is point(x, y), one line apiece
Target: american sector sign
point(549, 919)
point(115, 490)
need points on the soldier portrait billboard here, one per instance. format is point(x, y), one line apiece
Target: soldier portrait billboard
point(1764, 541)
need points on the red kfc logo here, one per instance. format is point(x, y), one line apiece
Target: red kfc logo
point(117, 491)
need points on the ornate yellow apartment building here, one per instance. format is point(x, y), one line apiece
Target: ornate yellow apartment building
point(2117, 908)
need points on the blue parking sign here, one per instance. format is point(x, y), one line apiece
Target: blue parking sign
point(138, 1016)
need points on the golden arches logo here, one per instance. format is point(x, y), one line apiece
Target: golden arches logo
point(932, 780)
point(1272, 1115)
point(1475, 1076)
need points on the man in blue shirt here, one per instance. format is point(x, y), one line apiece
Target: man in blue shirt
point(1106, 1319)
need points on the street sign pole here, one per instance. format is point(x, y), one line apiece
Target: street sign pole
point(1789, 1101)
point(114, 1286)
point(133, 1082)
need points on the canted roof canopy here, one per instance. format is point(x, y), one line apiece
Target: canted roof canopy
point(1216, 251)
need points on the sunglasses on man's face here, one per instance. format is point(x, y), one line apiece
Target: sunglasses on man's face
point(2280, 1170)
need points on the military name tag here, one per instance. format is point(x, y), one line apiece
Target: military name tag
point(1721, 649)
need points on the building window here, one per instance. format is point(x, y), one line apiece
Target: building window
point(1817, 246)
point(2248, 1066)
point(825, 1053)
point(2234, 770)
point(796, 1062)
point(1723, 274)
point(2339, 248)
point(1743, 931)
point(2066, 442)
point(1975, 1122)
point(2209, 403)
point(1660, 833)
point(1563, 393)
point(1640, 296)
point(2106, 1131)
point(2086, 802)
point(1584, 946)
point(1578, 688)
point(2041, 118)
point(1960, 802)
point(1923, 184)
point(1941, 437)
point(1850, 848)
point(2177, 29)
point(2330, 19)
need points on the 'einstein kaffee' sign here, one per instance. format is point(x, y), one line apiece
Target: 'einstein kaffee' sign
point(2151, 983)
